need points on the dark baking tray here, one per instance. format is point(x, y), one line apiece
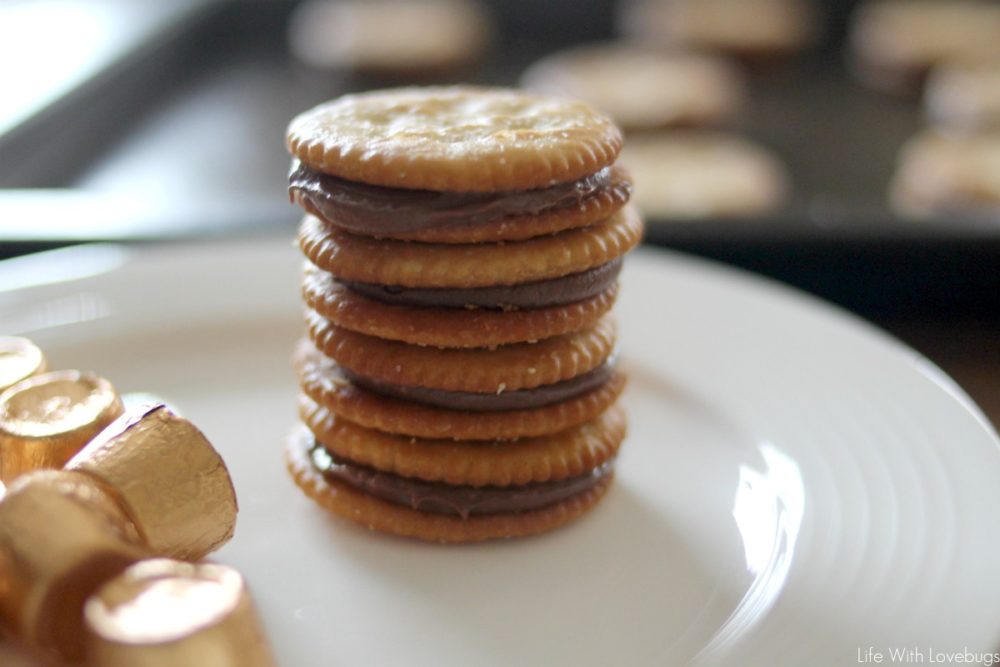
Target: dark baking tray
point(189, 130)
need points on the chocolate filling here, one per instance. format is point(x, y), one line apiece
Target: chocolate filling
point(557, 291)
point(463, 501)
point(373, 210)
point(520, 399)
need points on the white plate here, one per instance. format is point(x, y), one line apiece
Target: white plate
point(797, 488)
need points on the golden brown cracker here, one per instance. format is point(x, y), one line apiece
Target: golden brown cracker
point(505, 368)
point(568, 453)
point(462, 139)
point(321, 382)
point(446, 327)
point(387, 262)
point(375, 514)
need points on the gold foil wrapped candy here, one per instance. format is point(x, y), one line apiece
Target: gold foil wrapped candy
point(137, 483)
point(19, 359)
point(61, 537)
point(46, 419)
point(14, 656)
point(171, 482)
point(164, 613)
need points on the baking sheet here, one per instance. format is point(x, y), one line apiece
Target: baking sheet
point(199, 121)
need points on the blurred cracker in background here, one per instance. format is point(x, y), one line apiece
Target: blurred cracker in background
point(756, 30)
point(643, 88)
point(390, 37)
point(965, 98)
point(895, 43)
point(695, 175)
point(948, 176)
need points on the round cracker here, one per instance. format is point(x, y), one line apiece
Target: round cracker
point(703, 174)
point(321, 382)
point(948, 176)
point(461, 138)
point(486, 371)
point(386, 262)
point(643, 88)
point(388, 37)
point(569, 453)
point(375, 514)
point(446, 327)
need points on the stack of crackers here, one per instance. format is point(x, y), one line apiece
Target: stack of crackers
point(459, 378)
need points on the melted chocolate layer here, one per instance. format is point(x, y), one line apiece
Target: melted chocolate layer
point(372, 210)
point(521, 399)
point(463, 501)
point(557, 291)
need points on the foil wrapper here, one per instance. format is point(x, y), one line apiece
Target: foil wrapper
point(170, 480)
point(163, 613)
point(48, 418)
point(61, 537)
point(12, 655)
point(19, 359)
